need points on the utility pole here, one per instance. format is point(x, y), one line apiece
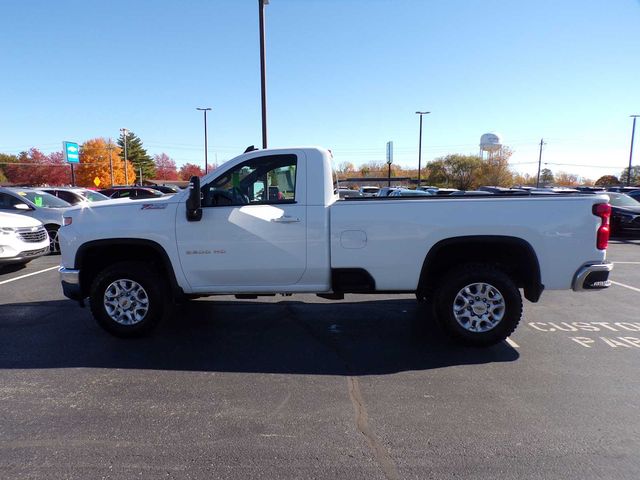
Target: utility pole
point(540, 162)
point(206, 160)
point(633, 133)
point(263, 72)
point(420, 146)
point(110, 148)
point(125, 132)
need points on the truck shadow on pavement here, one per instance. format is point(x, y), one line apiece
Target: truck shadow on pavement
point(287, 337)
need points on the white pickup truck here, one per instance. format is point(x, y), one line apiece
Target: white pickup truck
point(268, 222)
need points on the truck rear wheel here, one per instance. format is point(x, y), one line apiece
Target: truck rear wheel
point(478, 304)
point(127, 300)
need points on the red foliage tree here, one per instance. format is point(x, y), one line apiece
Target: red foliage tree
point(165, 167)
point(35, 168)
point(189, 170)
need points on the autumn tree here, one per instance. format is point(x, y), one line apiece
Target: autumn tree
point(35, 168)
point(97, 157)
point(165, 167)
point(495, 169)
point(189, 170)
point(524, 179)
point(346, 168)
point(565, 179)
point(137, 155)
point(607, 181)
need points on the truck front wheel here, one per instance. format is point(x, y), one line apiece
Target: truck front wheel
point(127, 300)
point(478, 304)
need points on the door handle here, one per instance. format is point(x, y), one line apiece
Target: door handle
point(285, 219)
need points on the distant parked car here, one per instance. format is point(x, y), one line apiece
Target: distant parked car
point(166, 189)
point(405, 192)
point(623, 189)
point(348, 193)
point(625, 213)
point(369, 191)
point(386, 191)
point(131, 192)
point(22, 239)
point(477, 193)
point(440, 191)
point(74, 195)
point(40, 205)
point(635, 194)
point(504, 191)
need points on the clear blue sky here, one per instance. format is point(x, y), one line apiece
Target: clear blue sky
point(344, 74)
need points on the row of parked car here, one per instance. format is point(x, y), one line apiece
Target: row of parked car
point(30, 217)
point(625, 201)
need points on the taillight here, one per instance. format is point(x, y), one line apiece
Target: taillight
point(603, 210)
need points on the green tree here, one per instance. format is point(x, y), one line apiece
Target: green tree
point(635, 175)
point(5, 159)
point(137, 155)
point(458, 171)
point(546, 177)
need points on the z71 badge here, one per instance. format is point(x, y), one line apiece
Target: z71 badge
point(153, 206)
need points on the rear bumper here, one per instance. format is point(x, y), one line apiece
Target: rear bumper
point(70, 280)
point(592, 277)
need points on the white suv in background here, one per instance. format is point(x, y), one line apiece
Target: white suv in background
point(22, 239)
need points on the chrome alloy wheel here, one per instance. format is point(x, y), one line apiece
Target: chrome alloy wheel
point(479, 307)
point(126, 302)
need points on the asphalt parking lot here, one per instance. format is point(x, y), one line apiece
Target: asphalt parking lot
point(301, 387)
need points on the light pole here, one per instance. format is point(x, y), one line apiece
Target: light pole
point(110, 148)
point(420, 145)
point(633, 133)
point(539, 162)
point(206, 161)
point(263, 72)
point(124, 133)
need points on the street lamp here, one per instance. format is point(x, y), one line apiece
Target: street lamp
point(124, 133)
point(420, 145)
point(633, 133)
point(206, 161)
point(263, 73)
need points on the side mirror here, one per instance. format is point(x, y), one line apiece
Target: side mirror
point(194, 210)
point(22, 206)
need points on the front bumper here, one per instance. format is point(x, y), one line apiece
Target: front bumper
point(592, 277)
point(70, 280)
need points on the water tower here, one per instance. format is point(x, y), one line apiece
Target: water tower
point(490, 143)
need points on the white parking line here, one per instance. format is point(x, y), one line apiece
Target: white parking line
point(626, 286)
point(626, 263)
point(512, 343)
point(28, 275)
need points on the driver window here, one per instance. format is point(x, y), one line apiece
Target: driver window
point(263, 180)
point(9, 202)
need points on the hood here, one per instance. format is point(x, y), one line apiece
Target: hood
point(124, 202)
point(16, 220)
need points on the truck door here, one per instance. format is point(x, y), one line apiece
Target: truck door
point(253, 227)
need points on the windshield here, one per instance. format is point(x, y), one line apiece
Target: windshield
point(43, 199)
point(91, 196)
point(621, 200)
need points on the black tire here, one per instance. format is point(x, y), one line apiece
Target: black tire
point(147, 304)
point(497, 315)
point(54, 242)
